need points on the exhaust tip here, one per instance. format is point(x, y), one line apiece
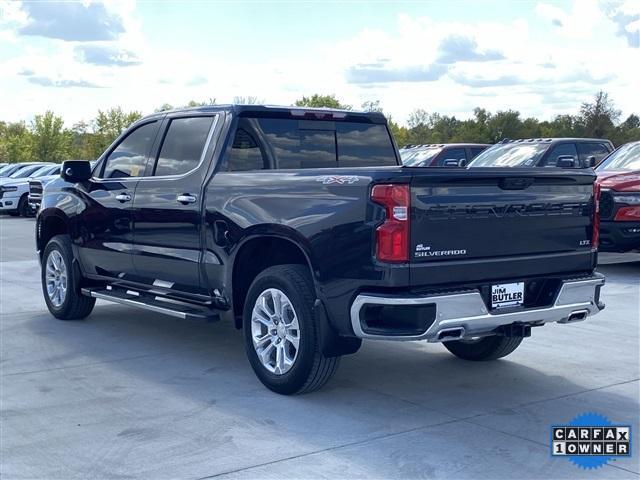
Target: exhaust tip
point(577, 316)
point(447, 334)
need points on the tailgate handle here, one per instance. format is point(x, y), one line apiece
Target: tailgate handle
point(515, 183)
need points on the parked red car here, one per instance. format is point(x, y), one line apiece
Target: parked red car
point(619, 179)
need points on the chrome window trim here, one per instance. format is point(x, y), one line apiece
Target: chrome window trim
point(207, 142)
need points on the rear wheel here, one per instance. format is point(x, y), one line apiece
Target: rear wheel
point(61, 281)
point(281, 333)
point(485, 348)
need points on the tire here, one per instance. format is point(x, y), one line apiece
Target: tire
point(487, 348)
point(308, 368)
point(23, 206)
point(71, 304)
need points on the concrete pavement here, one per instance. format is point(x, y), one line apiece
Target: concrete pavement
point(132, 394)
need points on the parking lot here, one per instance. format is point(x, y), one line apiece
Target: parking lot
point(129, 393)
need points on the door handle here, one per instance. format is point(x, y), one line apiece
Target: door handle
point(186, 198)
point(123, 197)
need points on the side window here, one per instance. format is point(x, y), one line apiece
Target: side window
point(475, 151)
point(363, 145)
point(451, 154)
point(559, 151)
point(246, 153)
point(128, 159)
point(597, 150)
point(283, 143)
point(301, 143)
point(182, 145)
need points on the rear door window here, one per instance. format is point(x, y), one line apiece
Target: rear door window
point(183, 145)
point(592, 149)
point(129, 158)
point(560, 150)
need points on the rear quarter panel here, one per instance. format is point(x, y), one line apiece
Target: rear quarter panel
point(328, 215)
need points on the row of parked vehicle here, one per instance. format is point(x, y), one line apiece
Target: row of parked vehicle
point(21, 186)
point(618, 173)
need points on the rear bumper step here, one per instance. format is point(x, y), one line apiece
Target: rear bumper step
point(462, 315)
point(152, 303)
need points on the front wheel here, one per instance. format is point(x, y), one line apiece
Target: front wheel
point(24, 210)
point(61, 281)
point(281, 333)
point(486, 348)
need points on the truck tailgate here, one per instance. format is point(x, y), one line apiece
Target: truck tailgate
point(494, 218)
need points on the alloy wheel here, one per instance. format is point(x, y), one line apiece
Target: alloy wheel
point(56, 278)
point(275, 331)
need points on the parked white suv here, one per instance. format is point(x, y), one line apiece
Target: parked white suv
point(14, 190)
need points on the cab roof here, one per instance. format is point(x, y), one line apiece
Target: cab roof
point(309, 113)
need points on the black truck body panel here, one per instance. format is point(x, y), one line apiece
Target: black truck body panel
point(511, 224)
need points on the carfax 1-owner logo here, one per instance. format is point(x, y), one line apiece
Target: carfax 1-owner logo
point(590, 440)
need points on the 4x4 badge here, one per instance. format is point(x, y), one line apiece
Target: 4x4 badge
point(339, 179)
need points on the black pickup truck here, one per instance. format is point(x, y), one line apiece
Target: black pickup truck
point(302, 227)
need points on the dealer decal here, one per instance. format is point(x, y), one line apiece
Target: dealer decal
point(590, 440)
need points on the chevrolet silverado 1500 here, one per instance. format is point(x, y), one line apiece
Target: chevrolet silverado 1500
point(303, 228)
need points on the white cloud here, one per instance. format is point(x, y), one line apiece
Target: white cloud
point(449, 67)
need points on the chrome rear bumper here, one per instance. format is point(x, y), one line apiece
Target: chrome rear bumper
point(464, 314)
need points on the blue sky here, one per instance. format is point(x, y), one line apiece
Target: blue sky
point(540, 57)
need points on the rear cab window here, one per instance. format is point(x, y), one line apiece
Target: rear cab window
point(286, 143)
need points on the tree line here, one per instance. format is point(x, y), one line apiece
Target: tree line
point(47, 138)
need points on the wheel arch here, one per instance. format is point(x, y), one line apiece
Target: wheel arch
point(260, 250)
point(50, 222)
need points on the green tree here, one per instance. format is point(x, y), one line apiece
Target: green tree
point(319, 101)
point(194, 103)
point(51, 141)
point(371, 106)
point(562, 126)
point(16, 142)
point(107, 126)
point(443, 128)
point(505, 124)
point(163, 108)
point(627, 131)
point(598, 118)
point(418, 127)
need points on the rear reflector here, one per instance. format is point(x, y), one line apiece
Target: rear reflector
point(392, 237)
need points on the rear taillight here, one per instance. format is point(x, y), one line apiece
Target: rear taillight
point(595, 236)
point(628, 214)
point(392, 237)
